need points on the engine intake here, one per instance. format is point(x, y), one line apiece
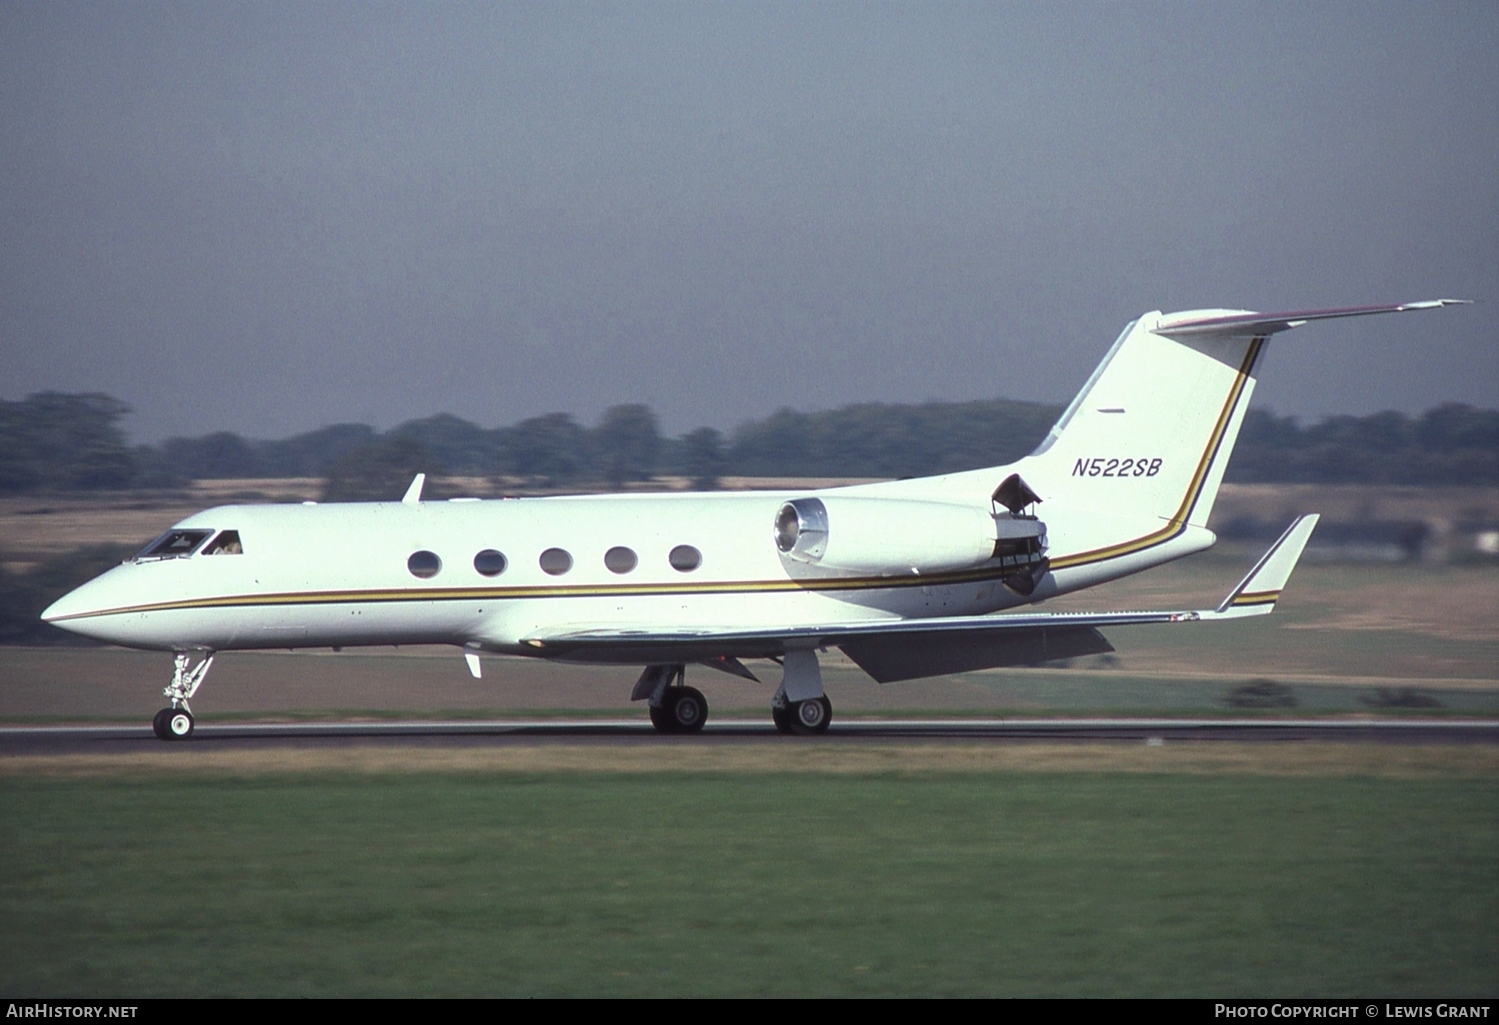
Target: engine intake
point(802, 529)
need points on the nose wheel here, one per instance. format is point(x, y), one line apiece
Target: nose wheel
point(176, 722)
point(173, 724)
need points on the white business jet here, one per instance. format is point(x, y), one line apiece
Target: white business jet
point(910, 578)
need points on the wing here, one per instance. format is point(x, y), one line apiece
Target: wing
point(894, 649)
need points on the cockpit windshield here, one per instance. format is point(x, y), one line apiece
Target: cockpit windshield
point(174, 544)
point(227, 543)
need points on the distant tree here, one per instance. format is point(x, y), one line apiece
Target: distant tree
point(378, 473)
point(704, 458)
point(625, 444)
point(551, 448)
point(888, 440)
point(312, 453)
point(1451, 444)
point(213, 456)
point(56, 441)
point(782, 443)
point(460, 446)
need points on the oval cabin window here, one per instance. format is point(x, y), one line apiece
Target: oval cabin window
point(424, 564)
point(620, 559)
point(490, 563)
point(555, 562)
point(685, 558)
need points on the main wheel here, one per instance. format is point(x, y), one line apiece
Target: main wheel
point(179, 724)
point(781, 716)
point(159, 724)
point(811, 716)
point(661, 718)
point(686, 707)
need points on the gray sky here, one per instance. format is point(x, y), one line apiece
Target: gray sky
point(268, 217)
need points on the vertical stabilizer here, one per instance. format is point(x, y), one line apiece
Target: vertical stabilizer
point(1151, 432)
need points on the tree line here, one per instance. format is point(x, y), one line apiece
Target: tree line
point(56, 442)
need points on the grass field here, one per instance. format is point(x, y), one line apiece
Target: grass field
point(984, 882)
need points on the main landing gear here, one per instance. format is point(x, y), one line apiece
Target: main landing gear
point(800, 706)
point(675, 707)
point(801, 717)
point(176, 722)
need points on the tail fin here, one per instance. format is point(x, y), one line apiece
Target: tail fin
point(1161, 412)
point(1164, 409)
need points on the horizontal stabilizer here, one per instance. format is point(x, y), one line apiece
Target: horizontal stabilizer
point(1260, 589)
point(1246, 324)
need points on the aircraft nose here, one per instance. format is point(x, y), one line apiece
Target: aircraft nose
point(98, 595)
point(74, 603)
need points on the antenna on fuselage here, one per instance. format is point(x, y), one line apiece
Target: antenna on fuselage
point(414, 493)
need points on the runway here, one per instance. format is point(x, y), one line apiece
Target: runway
point(58, 740)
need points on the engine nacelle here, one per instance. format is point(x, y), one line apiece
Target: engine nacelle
point(893, 536)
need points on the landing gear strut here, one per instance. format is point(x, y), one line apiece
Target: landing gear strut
point(176, 722)
point(675, 707)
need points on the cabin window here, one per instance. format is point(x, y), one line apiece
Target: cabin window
point(227, 543)
point(620, 559)
point(490, 563)
point(424, 564)
point(685, 558)
point(555, 562)
point(174, 544)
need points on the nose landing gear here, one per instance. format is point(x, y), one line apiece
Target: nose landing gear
point(176, 722)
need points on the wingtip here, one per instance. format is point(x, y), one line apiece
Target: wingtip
point(1260, 589)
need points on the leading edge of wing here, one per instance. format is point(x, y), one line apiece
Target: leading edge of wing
point(837, 633)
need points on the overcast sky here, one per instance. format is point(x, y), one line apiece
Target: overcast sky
point(267, 217)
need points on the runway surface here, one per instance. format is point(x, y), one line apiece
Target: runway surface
point(45, 740)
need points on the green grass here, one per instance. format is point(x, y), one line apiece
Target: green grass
point(749, 884)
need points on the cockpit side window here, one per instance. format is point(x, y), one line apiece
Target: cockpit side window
point(227, 543)
point(174, 544)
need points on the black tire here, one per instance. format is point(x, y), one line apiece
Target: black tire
point(687, 708)
point(660, 718)
point(781, 717)
point(159, 724)
point(179, 724)
point(811, 716)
